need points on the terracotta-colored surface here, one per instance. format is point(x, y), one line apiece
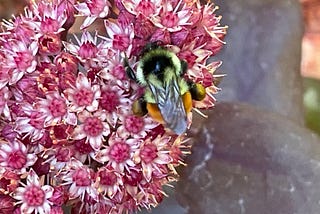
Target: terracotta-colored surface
point(9, 7)
point(310, 65)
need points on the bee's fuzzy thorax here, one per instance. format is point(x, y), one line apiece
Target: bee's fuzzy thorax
point(183, 85)
point(148, 96)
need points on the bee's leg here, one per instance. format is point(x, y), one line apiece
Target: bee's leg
point(197, 90)
point(139, 107)
point(129, 70)
point(131, 74)
point(184, 67)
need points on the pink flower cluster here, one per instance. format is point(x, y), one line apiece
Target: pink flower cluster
point(68, 135)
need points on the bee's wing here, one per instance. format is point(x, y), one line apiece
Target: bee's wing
point(170, 105)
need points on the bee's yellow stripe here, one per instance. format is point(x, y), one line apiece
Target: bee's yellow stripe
point(187, 101)
point(154, 112)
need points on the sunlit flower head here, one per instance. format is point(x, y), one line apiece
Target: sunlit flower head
point(77, 127)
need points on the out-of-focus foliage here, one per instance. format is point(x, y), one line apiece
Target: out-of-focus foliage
point(311, 101)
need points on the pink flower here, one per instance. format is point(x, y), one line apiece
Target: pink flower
point(21, 58)
point(26, 89)
point(114, 72)
point(120, 37)
point(87, 50)
point(93, 128)
point(83, 95)
point(58, 158)
point(55, 110)
point(8, 133)
point(143, 27)
point(210, 22)
point(59, 196)
point(82, 150)
point(151, 194)
point(66, 62)
point(151, 154)
point(109, 181)
point(147, 8)
point(14, 156)
point(23, 27)
point(112, 100)
point(93, 9)
point(50, 17)
point(172, 17)
point(179, 148)
point(6, 204)
point(8, 181)
point(33, 197)
point(119, 152)
point(4, 97)
point(193, 55)
point(134, 126)
point(50, 44)
point(32, 124)
point(81, 180)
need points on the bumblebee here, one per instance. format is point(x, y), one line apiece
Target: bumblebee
point(168, 96)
